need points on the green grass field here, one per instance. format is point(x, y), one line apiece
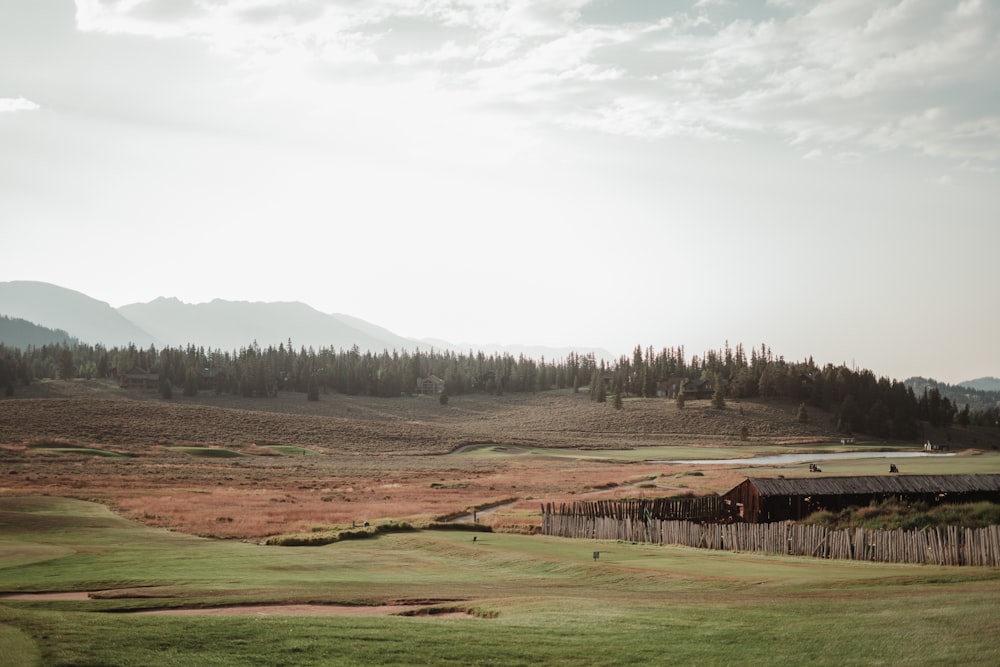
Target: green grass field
point(87, 451)
point(532, 600)
point(290, 450)
point(207, 452)
point(961, 462)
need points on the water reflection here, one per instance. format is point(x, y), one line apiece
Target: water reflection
point(803, 458)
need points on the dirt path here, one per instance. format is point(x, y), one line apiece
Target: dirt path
point(485, 510)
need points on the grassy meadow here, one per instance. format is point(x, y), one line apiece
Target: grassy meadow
point(503, 600)
point(139, 526)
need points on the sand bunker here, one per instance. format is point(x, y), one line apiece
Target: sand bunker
point(421, 610)
point(310, 610)
point(70, 595)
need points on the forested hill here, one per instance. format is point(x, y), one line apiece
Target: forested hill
point(15, 332)
point(983, 384)
point(84, 317)
point(962, 394)
point(858, 401)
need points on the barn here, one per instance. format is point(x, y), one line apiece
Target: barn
point(766, 499)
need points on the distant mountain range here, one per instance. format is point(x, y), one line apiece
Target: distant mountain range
point(219, 324)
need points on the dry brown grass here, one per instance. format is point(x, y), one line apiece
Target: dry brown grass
point(378, 459)
point(95, 413)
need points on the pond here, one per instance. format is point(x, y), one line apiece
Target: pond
point(803, 458)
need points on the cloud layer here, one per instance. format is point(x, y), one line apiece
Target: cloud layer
point(16, 104)
point(837, 77)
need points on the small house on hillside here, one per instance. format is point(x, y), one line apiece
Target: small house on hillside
point(703, 388)
point(700, 388)
point(431, 384)
point(766, 499)
point(139, 378)
point(209, 378)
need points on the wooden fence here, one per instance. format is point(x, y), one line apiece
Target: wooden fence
point(938, 546)
point(695, 508)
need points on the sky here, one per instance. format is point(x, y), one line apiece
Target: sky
point(820, 176)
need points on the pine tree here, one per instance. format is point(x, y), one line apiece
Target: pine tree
point(7, 377)
point(964, 417)
point(802, 416)
point(679, 401)
point(312, 389)
point(190, 382)
point(166, 391)
point(718, 397)
point(617, 401)
point(67, 367)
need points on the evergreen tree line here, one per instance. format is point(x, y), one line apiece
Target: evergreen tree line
point(262, 372)
point(858, 401)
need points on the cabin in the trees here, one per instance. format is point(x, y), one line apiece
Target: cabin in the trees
point(700, 388)
point(703, 388)
point(608, 380)
point(431, 384)
point(139, 378)
point(766, 499)
point(209, 378)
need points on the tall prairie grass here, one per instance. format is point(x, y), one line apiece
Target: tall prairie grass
point(890, 515)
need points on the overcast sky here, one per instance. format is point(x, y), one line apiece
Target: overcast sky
point(817, 175)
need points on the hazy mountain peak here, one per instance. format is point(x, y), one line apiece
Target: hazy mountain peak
point(83, 317)
point(224, 324)
point(988, 383)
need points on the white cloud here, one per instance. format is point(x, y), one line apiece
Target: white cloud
point(858, 73)
point(937, 132)
point(16, 104)
point(969, 8)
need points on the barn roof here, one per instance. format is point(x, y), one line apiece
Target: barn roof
point(831, 486)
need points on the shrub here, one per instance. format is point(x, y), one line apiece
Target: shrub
point(460, 526)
